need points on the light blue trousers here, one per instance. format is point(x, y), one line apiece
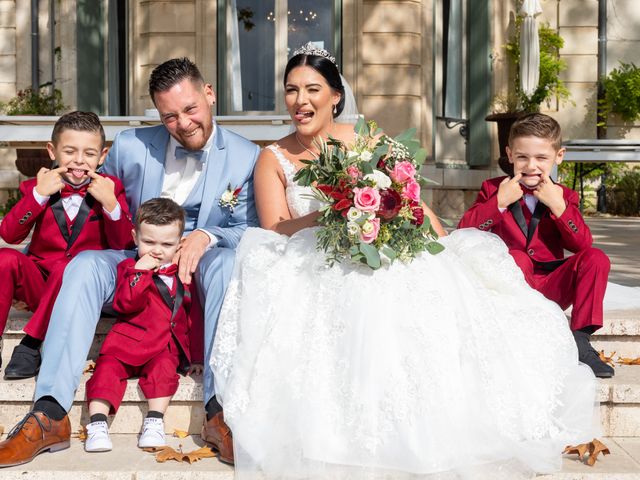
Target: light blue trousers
point(88, 285)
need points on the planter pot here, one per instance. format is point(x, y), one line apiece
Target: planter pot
point(504, 122)
point(31, 160)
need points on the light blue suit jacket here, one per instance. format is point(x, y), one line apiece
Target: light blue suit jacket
point(137, 158)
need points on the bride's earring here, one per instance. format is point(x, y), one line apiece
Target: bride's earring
point(335, 110)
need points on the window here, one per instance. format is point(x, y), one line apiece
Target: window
point(257, 39)
point(102, 43)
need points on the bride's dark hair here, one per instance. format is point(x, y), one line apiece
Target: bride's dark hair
point(324, 67)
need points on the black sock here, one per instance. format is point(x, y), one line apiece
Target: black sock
point(588, 330)
point(98, 417)
point(154, 414)
point(30, 342)
point(212, 407)
point(50, 407)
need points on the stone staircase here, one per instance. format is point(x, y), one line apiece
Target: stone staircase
point(619, 399)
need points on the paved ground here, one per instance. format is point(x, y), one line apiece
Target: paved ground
point(619, 237)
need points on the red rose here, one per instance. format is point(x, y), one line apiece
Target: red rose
point(390, 203)
point(381, 165)
point(418, 214)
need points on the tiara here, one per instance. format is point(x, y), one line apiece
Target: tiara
point(310, 49)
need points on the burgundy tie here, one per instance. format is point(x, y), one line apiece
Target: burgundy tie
point(168, 271)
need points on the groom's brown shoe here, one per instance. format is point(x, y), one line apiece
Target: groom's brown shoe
point(35, 433)
point(218, 434)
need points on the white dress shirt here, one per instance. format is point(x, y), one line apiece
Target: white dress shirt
point(181, 175)
point(529, 200)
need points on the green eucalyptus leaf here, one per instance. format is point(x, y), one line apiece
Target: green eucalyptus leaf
point(371, 254)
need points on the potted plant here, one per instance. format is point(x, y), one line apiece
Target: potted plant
point(44, 101)
point(621, 94)
point(517, 103)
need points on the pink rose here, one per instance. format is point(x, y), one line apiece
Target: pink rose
point(353, 172)
point(412, 191)
point(369, 231)
point(403, 172)
point(366, 199)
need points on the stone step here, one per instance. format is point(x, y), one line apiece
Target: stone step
point(620, 334)
point(127, 462)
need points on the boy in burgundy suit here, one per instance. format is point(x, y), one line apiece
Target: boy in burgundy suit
point(70, 208)
point(151, 337)
point(539, 219)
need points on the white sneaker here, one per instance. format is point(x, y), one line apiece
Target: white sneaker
point(152, 433)
point(97, 438)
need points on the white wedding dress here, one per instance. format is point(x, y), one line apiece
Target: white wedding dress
point(447, 367)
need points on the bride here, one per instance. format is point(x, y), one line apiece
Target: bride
point(446, 367)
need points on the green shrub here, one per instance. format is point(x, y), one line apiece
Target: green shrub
point(621, 94)
point(623, 192)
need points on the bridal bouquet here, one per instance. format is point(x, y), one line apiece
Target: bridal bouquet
point(370, 191)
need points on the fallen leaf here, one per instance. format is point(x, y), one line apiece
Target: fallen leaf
point(628, 361)
point(81, 433)
point(581, 450)
point(167, 453)
point(20, 306)
point(204, 452)
point(180, 433)
point(91, 366)
point(1, 429)
point(596, 447)
point(607, 359)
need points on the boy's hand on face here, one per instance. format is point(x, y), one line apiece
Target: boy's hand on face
point(509, 191)
point(147, 262)
point(49, 181)
point(551, 195)
point(192, 248)
point(102, 189)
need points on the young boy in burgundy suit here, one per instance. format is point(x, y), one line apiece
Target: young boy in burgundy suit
point(70, 208)
point(539, 219)
point(151, 336)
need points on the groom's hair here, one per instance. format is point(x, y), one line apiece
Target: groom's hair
point(78, 121)
point(172, 72)
point(537, 125)
point(160, 211)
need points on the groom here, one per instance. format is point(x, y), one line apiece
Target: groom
point(193, 161)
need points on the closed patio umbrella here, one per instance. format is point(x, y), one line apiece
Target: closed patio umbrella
point(529, 47)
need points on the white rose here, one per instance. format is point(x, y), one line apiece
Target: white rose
point(353, 229)
point(354, 214)
point(367, 228)
point(366, 156)
point(380, 180)
point(227, 196)
point(351, 154)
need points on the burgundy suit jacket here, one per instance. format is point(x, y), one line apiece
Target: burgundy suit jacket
point(53, 239)
point(147, 322)
point(544, 239)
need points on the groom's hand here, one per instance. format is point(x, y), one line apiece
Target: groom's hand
point(191, 250)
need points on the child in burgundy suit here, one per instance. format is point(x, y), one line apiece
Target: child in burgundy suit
point(539, 219)
point(151, 336)
point(70, 208)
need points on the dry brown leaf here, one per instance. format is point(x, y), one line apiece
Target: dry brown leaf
point(1, 429)
point(204, 452)
point(628, 361)
point(596, 447)
point(91, 366)
point(20, 306)
point(167, 453)
point(180, 433)
point(81, 433)
point(581, 450)
point(607, 359)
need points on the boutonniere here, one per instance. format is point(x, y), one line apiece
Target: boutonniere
point(229, 198)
